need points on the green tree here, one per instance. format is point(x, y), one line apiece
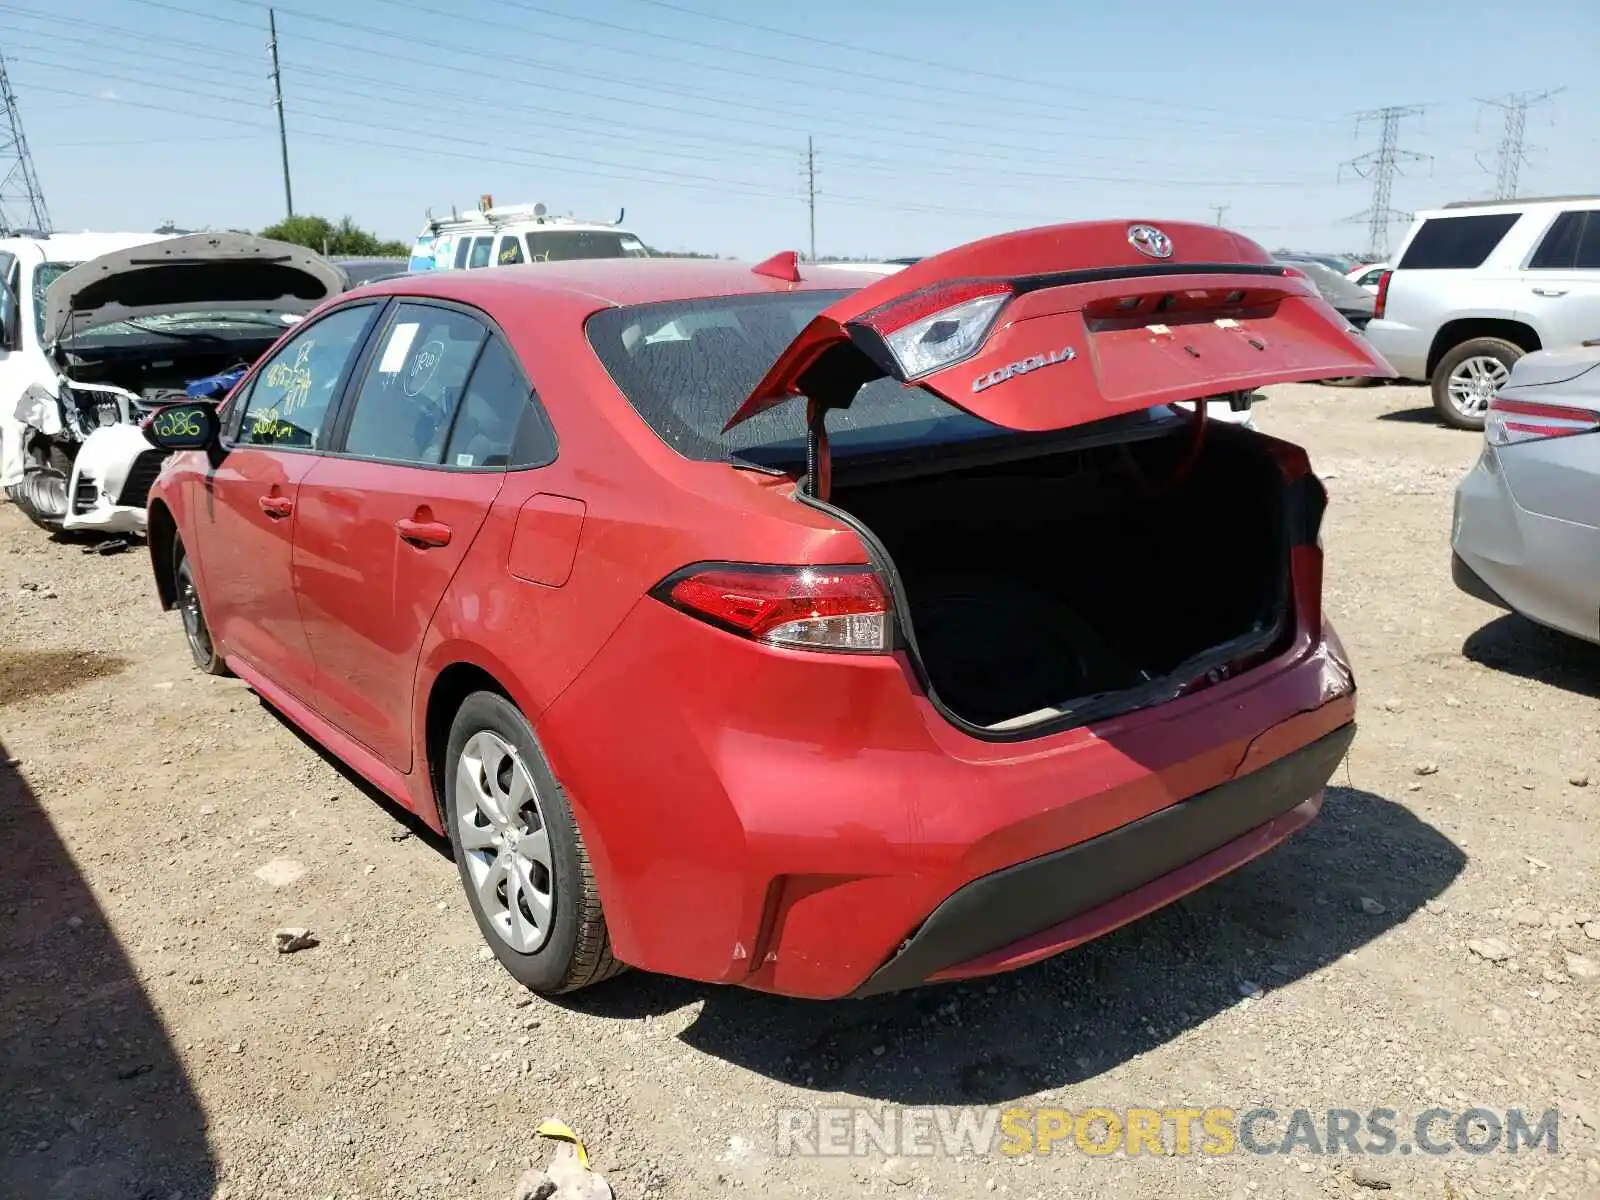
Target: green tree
point(345, 239)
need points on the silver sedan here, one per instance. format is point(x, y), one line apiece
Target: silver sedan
point(1526, 532)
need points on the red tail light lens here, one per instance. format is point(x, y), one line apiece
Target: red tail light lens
point(1511, 421)
point(804, 608)
point(1383, 295)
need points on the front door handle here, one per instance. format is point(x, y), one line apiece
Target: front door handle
point(423, 533)
point(276, 507)
point(1551, 292)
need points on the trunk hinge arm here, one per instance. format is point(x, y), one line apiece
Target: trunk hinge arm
point(819, 461)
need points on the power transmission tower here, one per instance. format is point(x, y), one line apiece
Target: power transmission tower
point(21, 198)
point(277, 100)
point(1381, 166)
point(811, 193)
point(1511, 155)
point(1219, 209)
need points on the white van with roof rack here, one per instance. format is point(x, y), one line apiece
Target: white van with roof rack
point(1478, 284)
point(517, 233)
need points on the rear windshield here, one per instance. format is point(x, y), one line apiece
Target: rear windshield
point(687, 365)
point(566, 244)
point(1456, 243)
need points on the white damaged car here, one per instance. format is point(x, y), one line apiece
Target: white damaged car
point(126, 333)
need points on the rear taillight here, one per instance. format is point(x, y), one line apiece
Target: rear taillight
point(1511, 421)
point(1382, 297)
point(938, 326)
point(803, 608)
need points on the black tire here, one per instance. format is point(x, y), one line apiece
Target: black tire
point(576, 948)
point(1506, 353)
point(195, 629)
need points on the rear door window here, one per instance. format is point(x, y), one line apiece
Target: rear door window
point(1456, 243)
point(482, 249)
point(463, 249)
point(499, 422)
point(414, 384)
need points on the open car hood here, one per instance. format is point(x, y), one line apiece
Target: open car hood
point(204, 272)
point(1058, 326)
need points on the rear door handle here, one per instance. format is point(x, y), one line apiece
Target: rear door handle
point(1552, 292)
point(423, 533)
point(276, 506)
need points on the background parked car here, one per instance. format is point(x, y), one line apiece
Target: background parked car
point(1477, 286)
point(132, 329)
point(1367, 275)
point(1351, 302)
point(1526, 532)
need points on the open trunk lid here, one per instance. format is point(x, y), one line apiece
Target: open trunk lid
point(1062, 325)
point(204, 272)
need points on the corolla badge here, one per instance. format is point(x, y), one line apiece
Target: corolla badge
point(1033, 363)
point(1149, 240)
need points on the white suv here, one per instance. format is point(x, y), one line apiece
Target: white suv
point(1478, 285)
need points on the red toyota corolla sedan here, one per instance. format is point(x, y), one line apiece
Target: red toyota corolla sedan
point(751, 625)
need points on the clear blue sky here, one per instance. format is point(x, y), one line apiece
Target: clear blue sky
point(935, 122)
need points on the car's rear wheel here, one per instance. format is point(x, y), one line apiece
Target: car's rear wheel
point(522, 860)
point(195, 630)
point(1470, 376)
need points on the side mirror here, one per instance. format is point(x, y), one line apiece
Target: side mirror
point(183, 427)
point(9, 323)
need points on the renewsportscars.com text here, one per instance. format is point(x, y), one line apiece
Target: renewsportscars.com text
point(910, 1132)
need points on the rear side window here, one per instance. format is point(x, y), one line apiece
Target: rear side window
point(1456, 243)
point(482, 250)
point(561, 245)
point(463, 249)
point(409, 397)
point(685, 366)
point(510, 250)
point(498, 417)
point(1573, 240)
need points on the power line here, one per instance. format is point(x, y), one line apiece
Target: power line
point(1511, 155)
point(20, 193)
point(1381, 166)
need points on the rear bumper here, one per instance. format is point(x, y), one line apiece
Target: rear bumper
point(787, 821)
point(1041, 907)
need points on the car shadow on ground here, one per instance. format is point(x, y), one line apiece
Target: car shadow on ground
point(1426, 415)
point(96, 1104)
point(1083, 1013)
point(1517, 646)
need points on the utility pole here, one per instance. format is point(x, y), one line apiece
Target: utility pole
point(1511, 154)
point(811, 193)
point(21, 198)
point(277, 94)
point(1219, 209)
point(1381, 166)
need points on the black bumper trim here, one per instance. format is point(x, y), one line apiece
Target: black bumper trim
point(1470, 582)
point(1019, 901)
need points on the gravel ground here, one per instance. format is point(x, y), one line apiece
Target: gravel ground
point(158, 825)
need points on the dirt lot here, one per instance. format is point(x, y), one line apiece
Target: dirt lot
point(158, 825)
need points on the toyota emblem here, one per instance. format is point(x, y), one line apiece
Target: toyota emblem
point(1150, 241)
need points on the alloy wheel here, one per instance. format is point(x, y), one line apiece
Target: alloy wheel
point(500, 829)
point(1475, 382)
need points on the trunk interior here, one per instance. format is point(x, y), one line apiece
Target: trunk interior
point(1038, 586)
